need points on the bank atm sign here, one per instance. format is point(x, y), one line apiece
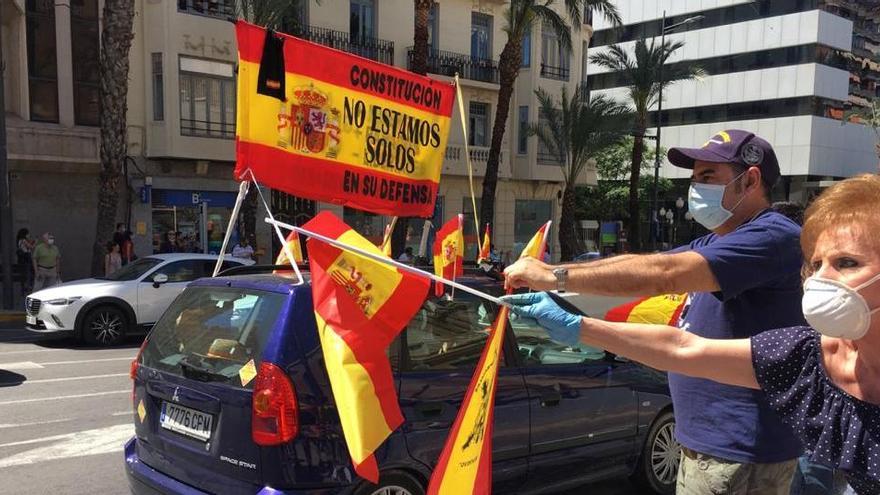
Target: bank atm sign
point(182, 198)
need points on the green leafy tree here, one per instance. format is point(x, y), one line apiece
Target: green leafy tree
point(574, 131)
point(521, 17)
point(116, 36)
point(640, 70)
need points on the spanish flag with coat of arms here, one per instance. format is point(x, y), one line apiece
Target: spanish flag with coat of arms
point(465, 464)
point(449, 251)
point(360, 307)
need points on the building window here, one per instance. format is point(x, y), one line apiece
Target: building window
point(554, 57)
point(434, 26)
point(86, 66)
point(207, 98)
point(42, 63)
point(585, 61)
point(481, 36)
point(478, 124)
point(527, 49)
point(213, 8)
point(528, 216)
point(546, 156)
point(522, 146)
point(158, 88)
point(362, 21)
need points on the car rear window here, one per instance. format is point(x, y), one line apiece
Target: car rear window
point(214, 334)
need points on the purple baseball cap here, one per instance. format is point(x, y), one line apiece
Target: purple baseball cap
point(731, 146)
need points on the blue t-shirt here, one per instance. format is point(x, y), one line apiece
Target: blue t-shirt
point(758, 270)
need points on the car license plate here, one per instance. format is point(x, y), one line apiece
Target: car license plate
point(186, 421)
point(30, 320)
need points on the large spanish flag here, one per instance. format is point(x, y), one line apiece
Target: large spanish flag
point(465, 464)
point(360, 307)
point(485, 248)
point(331, 126)
point(657, 310)
point(449, 251)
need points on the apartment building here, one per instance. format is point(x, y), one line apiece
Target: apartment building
point(181, 116)
point(785, 69)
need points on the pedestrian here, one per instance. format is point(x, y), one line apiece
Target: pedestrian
point(24, 254)
point(743, 278)
point(406, 256)
point(126, 250)
point(243, 249)
point(113, 259)
point(119, 235)
point(47, 263)
point(169, 245)
point(822, 379)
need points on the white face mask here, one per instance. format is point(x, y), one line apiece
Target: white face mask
point(836, 310)
point(705, 203)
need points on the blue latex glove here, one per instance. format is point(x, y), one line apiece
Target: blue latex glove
point(561, 325)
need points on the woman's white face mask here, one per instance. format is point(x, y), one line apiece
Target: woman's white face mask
point(837, 310)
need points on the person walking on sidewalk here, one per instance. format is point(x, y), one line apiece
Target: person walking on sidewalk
point(24, 253)
point(47, 263)
point(113, 259)
point(742, 279)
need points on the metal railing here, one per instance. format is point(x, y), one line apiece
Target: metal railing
point(222, 9)
point(551, 72)
point(204, 128)
point(448, 63)
point(548, 158)
point(478, 154)
point(366, 46)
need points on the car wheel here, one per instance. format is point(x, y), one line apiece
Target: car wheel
point(104, 325)
point(658, 465)
point(393, 483)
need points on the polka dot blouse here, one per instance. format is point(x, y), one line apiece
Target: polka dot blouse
point(837, 429)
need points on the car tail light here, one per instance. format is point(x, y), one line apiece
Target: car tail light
point(274, 411)
point(133, 370)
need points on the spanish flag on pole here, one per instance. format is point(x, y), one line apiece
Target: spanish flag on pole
point(386, 239)
point(295, 249)
point(485, 248)
point(449, 251)
point(360, 307)
point(657, 310)
point(465, 464)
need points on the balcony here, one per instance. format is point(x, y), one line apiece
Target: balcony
point(548, 158)
point(558, 73)
point(366, 46)
point(448, 63)
point(221, 9)
point(455, 163)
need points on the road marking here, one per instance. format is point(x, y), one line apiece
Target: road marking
point(82, 361)
point(122, 413)
point(63, 397)
point(82, 443)
point(72, 378)
point(35, 423)
point(5, 353)
point(21, 365)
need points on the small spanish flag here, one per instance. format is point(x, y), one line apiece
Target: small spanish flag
point(465, 464)
point(657, 310)
point(485, 249)
point(386, 240)
point(295, 249)
point(360, 307)
point(449, 251)
point(537, 245)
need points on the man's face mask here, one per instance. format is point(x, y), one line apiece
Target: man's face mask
point(705, 203)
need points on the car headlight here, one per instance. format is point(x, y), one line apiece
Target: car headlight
point(64, 301)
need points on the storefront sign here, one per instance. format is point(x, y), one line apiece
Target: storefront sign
point(184, 198)
point(327, 125)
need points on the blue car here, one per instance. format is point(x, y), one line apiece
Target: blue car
point(231, 396)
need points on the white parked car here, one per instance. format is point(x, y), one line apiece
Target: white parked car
point(101, 311)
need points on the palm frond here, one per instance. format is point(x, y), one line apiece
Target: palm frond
point(555, 22)
point(606, 8)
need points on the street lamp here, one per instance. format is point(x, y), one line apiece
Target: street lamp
point(663, 30)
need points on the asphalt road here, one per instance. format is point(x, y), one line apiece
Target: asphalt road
point(65, 414)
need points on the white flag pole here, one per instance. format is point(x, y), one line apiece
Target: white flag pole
point(242, 193)
point(387, 261)
point(467, 156)
point(281, 238)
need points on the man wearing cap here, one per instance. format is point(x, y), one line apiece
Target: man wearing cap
point(742, 279)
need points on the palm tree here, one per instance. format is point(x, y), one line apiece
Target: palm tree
point(116, 36)
point(422, 10)
point(520, 17)
point(279, 15)
point(640, 72)
point(574, 132)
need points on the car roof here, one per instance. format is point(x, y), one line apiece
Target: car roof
point(192, 256)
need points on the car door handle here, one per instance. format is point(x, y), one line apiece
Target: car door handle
point(550, 399)
point(429, 409)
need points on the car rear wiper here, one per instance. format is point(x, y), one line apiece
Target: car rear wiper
point(200, 372)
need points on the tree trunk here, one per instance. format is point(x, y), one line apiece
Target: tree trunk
point(116, 39)
point(638, 152)
point(508, 69)
point(419, 66)
point(569, 240)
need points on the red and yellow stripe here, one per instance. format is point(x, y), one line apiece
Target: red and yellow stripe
point(657, 310)
point(448, 251)
point(485, 248)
